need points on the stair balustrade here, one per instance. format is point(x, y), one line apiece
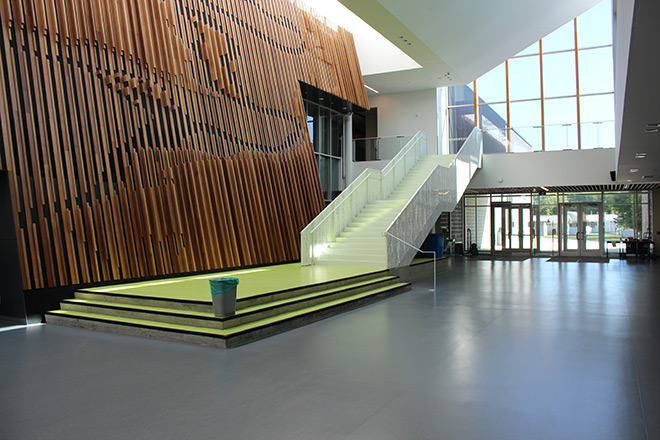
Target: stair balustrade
point(403, 200)
point(369, 186)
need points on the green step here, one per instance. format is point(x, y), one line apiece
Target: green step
point(242, 316)
point(206, 305)
point(228, 337)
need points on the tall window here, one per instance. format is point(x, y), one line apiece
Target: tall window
point(557, 94)
point(326, 130)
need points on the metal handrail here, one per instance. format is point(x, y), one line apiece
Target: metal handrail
point(419, 250)
point(382, 137)
point(402, 154)
point(367, 174)
point(360, 179)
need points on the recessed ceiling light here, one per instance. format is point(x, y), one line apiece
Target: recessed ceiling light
point(634, 170)
point(640, 155)
point(648, 177)
point(651, 130)
point(653, 125)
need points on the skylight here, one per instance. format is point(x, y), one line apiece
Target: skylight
point(376, 53)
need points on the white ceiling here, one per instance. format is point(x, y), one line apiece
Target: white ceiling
point(456, 41)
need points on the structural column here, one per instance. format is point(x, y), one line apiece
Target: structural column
point(347, 159)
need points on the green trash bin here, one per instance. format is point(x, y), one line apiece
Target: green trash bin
point(223, 293)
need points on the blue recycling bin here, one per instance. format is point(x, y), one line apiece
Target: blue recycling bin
point(434, 242)
point(223, 293)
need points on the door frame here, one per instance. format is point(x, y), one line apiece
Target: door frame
point(507, 222)
point(581, 250)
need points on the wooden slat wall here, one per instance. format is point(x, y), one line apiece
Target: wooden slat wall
point(153, 137)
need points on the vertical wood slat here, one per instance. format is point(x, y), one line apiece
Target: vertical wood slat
point(153, 137)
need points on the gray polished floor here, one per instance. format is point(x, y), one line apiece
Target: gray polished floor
point(504, 350)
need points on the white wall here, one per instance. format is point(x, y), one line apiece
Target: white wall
point(623, 21)
point(656, 220)
point(550, 168)
point(407, 113)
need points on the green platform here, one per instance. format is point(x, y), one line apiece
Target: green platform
point(253, 282)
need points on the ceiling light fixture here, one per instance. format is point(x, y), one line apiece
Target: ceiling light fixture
point(640, 155)
point(634, 170)
point(371, 88)
point(544, 188)
point(648, 177)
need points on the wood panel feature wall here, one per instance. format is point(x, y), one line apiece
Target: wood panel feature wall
point(154, 137)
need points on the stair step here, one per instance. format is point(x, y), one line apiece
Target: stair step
point(208, 320)
point(373, 242)
point(386, 202)
point(367, 226)
point(352, 252)
point(367, 221)
point(364, 229)
point(374, 215)
point(232, 337)
point(358, 249)
point(371, 260)
point(365, 234)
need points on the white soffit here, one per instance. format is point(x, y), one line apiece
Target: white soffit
point(457, 41)
point(376, 53)
point(638, 91)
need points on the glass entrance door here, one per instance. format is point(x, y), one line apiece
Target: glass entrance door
point(512, 228)
point(581, 229)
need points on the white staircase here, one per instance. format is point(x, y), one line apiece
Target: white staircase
point(363, 241)
point(383, 216)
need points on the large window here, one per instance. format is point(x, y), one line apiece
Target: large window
point(326, 130)
point(557, 94)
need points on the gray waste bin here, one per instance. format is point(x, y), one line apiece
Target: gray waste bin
point(223, 293)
